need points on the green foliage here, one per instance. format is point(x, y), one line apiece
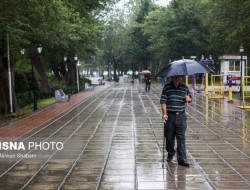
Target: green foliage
point(24, 99)
point(21, 82)
point(61, 26)
point(177, 29)
point(23, 78)
point(140, 36)
point(46, 102)
point(229, 21)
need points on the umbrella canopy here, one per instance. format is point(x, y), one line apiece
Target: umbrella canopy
point(184, 67)
point(145, 72)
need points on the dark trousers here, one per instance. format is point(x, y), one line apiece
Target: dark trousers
point(175, 128)
point(147, 87)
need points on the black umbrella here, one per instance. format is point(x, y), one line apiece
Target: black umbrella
point(184, 67)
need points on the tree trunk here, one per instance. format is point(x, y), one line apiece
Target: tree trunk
point(43, 78)
point(4, 107)
point(4, 86)
point(57, 74)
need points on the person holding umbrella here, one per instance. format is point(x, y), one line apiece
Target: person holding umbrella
point(174, 99)
point(147, 82)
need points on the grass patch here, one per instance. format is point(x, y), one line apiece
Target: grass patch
point(41, 103)
point(46, 102)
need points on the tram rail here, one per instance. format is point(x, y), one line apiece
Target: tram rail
point(122, 127)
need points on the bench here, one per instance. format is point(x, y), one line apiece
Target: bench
point(98, 82)
point(87, 86)
point(60, 96)
point(101, 82)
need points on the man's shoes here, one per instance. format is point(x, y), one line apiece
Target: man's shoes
point(183, 163)
point(170, 158)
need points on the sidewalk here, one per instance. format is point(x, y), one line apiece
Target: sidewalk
point(40, 117)
point(114, 140)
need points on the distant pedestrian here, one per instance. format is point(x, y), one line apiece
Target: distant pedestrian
point(147, 83)
point(174, 99)
point(163, 81)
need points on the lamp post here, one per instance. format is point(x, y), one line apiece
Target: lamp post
point(210, 57)
point(32, 56)
point(77, 74)
point(65, 58)
point(9, 75)
point(241, 50)
point(209, 63)
point(202, 57)
point(109, 72)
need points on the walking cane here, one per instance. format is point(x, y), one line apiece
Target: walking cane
point(163, 161)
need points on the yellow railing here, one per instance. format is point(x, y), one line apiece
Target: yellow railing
point(201, 86)
point(245, 91)
point(246, 86)
point(217, 85)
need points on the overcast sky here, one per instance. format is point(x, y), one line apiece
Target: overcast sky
point(159, 2)
point(162, 2)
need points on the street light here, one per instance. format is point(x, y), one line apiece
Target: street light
point(65, 58)
point(32, 56)
point(77, 74)
point(77, 68)
point(109, 71)
point(75, 58)
point(9, 76)
point(241, 50)
point(208, 62)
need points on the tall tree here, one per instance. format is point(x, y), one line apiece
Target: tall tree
point(177, 30)
point(60, 26)
point(140, 40)
point(229, 25)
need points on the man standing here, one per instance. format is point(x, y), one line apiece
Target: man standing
point(174, 99)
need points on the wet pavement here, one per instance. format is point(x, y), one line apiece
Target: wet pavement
point(113, 139)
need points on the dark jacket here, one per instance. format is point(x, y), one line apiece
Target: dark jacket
point(148, 79)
